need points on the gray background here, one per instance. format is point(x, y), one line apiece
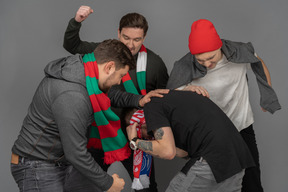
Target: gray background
point(31, 35)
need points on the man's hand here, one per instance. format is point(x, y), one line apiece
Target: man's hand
point(131, 131)
point(118, 184)
point(198, 89)
point(154, 93)
point(82, 13)
point(144, 133)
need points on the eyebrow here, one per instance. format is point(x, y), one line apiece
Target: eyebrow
point(137, 38)
point(207, 59)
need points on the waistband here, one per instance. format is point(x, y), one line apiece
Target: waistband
point(15, 159)
point(190, 163)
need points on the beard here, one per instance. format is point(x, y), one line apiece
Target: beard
point(105, 89)
point(107, 84)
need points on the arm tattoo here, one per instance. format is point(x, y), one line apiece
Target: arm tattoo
point(159, 134)
point(145, 145)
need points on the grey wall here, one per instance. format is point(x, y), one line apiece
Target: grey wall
point(31, 35)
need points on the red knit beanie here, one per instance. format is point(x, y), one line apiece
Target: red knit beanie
point(203, 37)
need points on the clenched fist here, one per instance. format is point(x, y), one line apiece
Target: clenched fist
point(82, 13)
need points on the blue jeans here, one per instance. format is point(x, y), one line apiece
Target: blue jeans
point(201, 179)
point(39, 176)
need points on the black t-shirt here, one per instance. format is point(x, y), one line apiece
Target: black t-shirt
point(202, 129)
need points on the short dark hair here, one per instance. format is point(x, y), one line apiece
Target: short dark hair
point(114, 50)
point(134, 20)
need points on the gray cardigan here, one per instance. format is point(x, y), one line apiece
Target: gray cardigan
point(187, 69)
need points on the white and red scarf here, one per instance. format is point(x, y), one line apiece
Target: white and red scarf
point(142, 161)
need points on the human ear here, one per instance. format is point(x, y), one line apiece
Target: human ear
point(110, 67)
point(118, 34)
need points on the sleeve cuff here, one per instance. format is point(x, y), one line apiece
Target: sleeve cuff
point(108, 184)
point(73, 22)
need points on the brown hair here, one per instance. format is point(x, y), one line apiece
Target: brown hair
point(114, 50)
point(134, 20)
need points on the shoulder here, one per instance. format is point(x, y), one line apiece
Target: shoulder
point(72, 104)
point(74, 96)
point(153, 57)
point(155, 63)
point(184, 62)
point(238, 45)
point(188, 58)
point(67, 94)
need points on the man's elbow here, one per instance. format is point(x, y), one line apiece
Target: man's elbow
point(67, 48)
point(169, 154)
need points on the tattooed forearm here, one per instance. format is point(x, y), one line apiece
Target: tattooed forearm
point(145, 145)
point(159, 134)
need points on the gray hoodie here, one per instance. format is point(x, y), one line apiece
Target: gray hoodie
point(55, 128)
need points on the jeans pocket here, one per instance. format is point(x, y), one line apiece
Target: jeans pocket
point(24, 176)
point(176, 183)
point(17, 172)
point(181, 182)
point(203, 170)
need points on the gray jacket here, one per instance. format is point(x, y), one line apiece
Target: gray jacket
point(56, 126)
point(187, 69)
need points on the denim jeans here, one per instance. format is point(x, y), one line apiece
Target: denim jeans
point(37, 175)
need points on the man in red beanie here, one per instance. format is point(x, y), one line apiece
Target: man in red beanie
point(217, 68)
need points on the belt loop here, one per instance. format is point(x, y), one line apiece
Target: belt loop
point(22, 160)
point(59, 164)
point(201, 159)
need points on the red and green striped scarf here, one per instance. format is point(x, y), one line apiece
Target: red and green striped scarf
point(106, 130)
point(140, 74)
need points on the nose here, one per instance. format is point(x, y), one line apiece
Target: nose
point(207, 64)
point(130, 44)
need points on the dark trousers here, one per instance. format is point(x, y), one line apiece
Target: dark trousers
point(251, 180)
